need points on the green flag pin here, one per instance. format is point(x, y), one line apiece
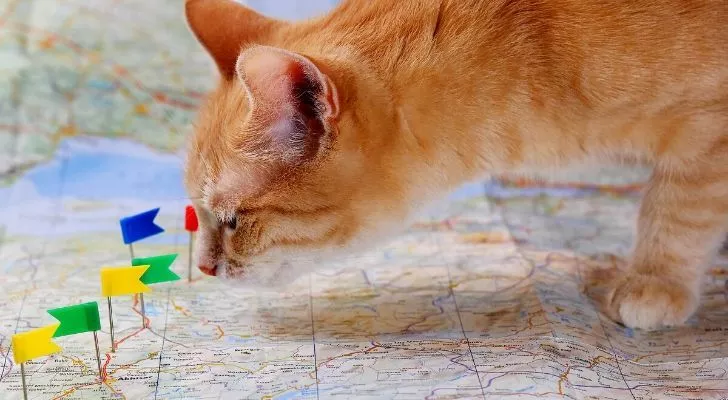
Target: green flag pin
point(157, 272)
point(79, 318)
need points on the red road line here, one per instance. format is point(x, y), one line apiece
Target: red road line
point(103, 368)
point(571, 185)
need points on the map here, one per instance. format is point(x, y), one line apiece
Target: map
point(494, 294)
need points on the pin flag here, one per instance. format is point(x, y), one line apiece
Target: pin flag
point(138, 227)
point(80, 318)
point(118, 282)
point(33, 344)
point(159, 269)
point(191, 226)
point(135, 228)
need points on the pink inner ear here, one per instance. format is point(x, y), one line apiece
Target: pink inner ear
point(283, 130)
point(291, 101)
point(269, 74)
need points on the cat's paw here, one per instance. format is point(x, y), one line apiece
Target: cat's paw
point(651, 302)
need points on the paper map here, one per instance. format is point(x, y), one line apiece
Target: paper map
point(485, 299)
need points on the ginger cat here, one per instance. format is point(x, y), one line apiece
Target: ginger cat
point(326, 136)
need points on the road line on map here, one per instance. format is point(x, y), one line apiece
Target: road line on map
point(106, 364)
point(140, 300)
point(564, 378)
point(131, 335)
point(72, 389)
point(164, 339)
point(118, 72)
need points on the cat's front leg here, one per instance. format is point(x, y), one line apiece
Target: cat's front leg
point(681, 226)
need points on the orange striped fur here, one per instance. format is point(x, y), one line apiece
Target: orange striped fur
point(328, 135)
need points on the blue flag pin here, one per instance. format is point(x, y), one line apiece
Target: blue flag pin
point(140, 226)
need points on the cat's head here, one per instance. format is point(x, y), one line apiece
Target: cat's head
point(287, 167)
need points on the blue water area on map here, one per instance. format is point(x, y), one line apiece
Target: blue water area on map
point(152, 310)
point(108, 169)
point(237, 339)
point(299, 394)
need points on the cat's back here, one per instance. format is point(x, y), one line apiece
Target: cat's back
point(558, 67)
point(485, 23)
point(668, 38)
point(625, 42)
point(595, 74)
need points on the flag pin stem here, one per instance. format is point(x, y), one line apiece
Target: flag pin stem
point(98, 355)
point(189, 260)
point(111, 325)
point(144, 313)
point(141, 295)
point(191, 226)
point(22, 377)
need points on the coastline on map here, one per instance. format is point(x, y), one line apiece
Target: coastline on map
point(91, 177)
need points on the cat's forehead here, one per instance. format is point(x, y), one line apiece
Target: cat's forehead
point(226, 180)
point(212, 152)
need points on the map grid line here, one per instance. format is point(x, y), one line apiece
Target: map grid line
point(462, 329)
point(178, 225)
point(612, 349)
point(164, 337)
point(313, 334)
point(457, 309)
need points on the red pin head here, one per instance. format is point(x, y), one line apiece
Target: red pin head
point(191, 223)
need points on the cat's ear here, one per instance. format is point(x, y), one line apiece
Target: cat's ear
point(225, 27)
point(293, 102)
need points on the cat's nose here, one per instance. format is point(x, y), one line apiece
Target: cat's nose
point(208, 270)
